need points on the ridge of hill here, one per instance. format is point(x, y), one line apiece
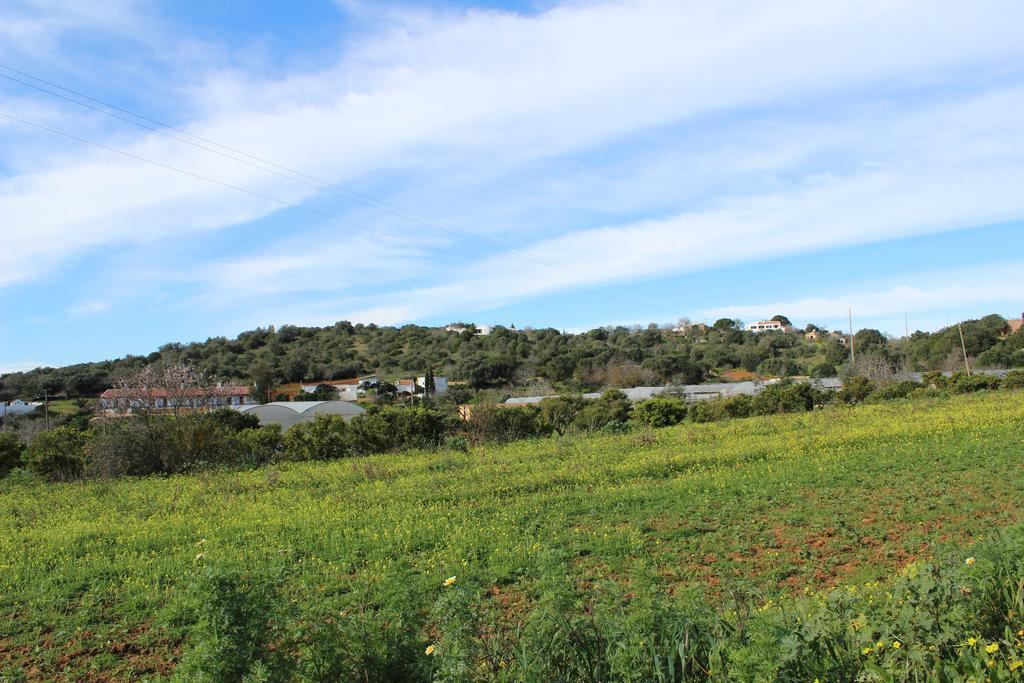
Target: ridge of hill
point(509, 358)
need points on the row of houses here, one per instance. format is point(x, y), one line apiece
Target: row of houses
point(162, 399)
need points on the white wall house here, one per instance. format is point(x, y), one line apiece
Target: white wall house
point(159, 399)
point(768, 326)
point(440, 383)
point(17, 407)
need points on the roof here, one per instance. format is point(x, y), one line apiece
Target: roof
point(289, 413)
point(163, 393)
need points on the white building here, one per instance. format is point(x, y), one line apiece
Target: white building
point(17, 407)
point(768, 326)
point(440, 383)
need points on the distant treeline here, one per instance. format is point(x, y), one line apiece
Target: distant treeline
point(507, 358)
point(146, 444)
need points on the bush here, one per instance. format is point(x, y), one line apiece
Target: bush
point(10, 452)
point(260, 446)
point(613, 407)
point(234, 420)
point(126, 447)
point(855, 389)
point(500, 424)
point(560, 412)
point(1013, 380)
point(660, 411)
point(823, 370)
point(57, 454)
point(739, 406)
point(708, 411)
point(783, 398)
point(399, 428)
point(779, 367)
point(325, 438)
point(238, 631)
point(962, 383)
point(894, 390)
point(195, 441)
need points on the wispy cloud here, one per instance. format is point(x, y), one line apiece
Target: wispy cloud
point(494, 85)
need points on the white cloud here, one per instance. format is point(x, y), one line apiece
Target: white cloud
point(496, 90)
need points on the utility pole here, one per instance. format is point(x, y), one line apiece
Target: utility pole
point(853, 354)
point(46, 406)
point(964, 348)
point(906, 324)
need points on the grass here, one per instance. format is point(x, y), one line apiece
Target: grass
point(104, 580)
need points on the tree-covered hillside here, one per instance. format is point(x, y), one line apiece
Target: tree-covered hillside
point(612, 356)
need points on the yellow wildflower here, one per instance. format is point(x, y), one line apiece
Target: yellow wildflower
point(1016, 665)
point(430, 649)
point(969, 561)
point(868, 650)
point(896, 644)
point(880, 645)
point(994, 647)
point(449, 581)
point(972, 641)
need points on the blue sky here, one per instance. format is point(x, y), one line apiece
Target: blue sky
point(565, 164)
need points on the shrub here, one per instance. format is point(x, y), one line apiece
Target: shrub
point(194, 441)
point(823, 370)
point(855, 389)
point(783, 398)
point(739, 406)
point(894, 390)
point(234, 420)
point(57, 454)
point(325, 438)
point(560, 412)
point(708, 411)
point(126, 447)
point(779, 367)
point(962, 383)
point(1014, 379)
point(935, 380)
point(238, 632)
point(612, 407)
point(660, 411)
point(399, 428)
point(260, 446)
point(500, 424)
point(10, 452)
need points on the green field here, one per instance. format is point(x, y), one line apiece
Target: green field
point(116, 581)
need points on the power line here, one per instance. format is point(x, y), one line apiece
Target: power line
point(320, 184)
point(308, 210)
